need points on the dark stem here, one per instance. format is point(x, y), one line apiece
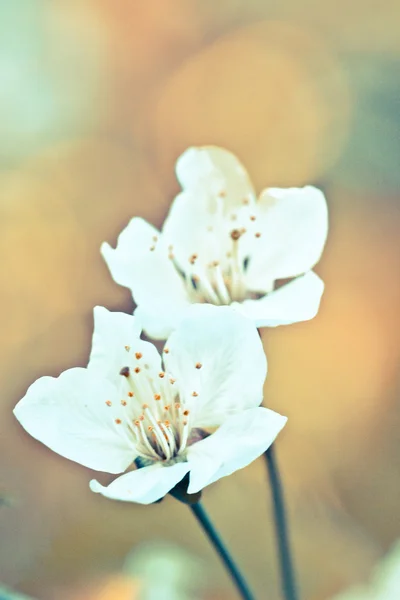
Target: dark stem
point(219, 546)
point(285, 560)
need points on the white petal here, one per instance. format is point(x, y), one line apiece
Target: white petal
point(293, 224)
point(116, 341)
point(159, 324)
point(233, 361)
point(144, 485)
point(192, 227)
point(294, 302)
point(218, 172)
point(69, 414)
point(140, 262)
point(238, 442)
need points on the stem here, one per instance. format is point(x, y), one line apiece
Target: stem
point(281, 528)
point(212, 534)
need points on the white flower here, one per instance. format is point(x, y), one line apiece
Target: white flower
point(385, 583)
point(221, 245)
point(126, 406)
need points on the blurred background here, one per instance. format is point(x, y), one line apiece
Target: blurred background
point(97, 100)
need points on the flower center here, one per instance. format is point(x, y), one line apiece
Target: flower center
point(219, 281)
point(151, 415)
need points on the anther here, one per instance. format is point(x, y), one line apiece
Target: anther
point(186, 412)
point(125, 372)
point(118, 421)
point(195, 394)
point(137, 369)
point(246, 201)
point(235, 234)
point(161, 375)
point(131, 394)
point(138, 355)
point(167, 423)
point(242, 231)
point(193, 258)
point(108, 402)
point(172, 381)
point(177, 405)
point(152, 248)
point(166, 350)
point(149, 428)
point(184, 423)
point(137, 423)
point(171, 256)
point(144, 406)
point(222, 194)
point(167, 407)
point(127, 348)
point(124, 402)
point(198, 365)
point(252, 218)
point(157, 397)
point(258, 234)
point(155, 238)
point(141, 418)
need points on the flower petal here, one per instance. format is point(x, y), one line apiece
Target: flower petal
point(69, 414)
point(238, 442)
point(144, 485)
point(115, 343)
point(159, 324)
point(216, 171)
point(233, 363)
point(192, 228)
point(140, 262)
point(294, 302)
point(293, 224)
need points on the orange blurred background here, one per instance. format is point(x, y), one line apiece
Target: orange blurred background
point(97, 100)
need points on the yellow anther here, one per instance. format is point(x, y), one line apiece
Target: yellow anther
point(235, 234)
point(161, 374)
point(138, 355)
point(198, 365)
point(124, 402)
point(131, 394)
point(108, 402)
point(258, 234)
point(157, 397)
point(166, 350)
point(127, 348)
point(144, 406)
point(172, 381)
point(195, 394)
point(252, 218)
point(186, 412)
point(137, 369)
point(118, 421)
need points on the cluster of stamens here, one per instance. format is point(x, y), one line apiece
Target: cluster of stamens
point(154, 418)
point(219, 281)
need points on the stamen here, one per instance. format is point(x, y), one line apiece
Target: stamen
point(157, 397)
point(124, 402)
point(166, 350)
point(138, 355)
point(198, 365)
point(125, 372)
point(235, 234)
point(172, 381)
point(186, 412)
point(161, 375)
point(127, 348)
point(137, 369)
point(131, 394)
point(222, 194)
point(155, 238)
point(193, 258)
point(118, 421)
point(258, 234)
point(194, 394)
point(108, 402)
point(252, 218)
point(246, 201)
point(152, 248)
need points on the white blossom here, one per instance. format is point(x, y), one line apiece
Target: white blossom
point(130, 406)
point(221, 245)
